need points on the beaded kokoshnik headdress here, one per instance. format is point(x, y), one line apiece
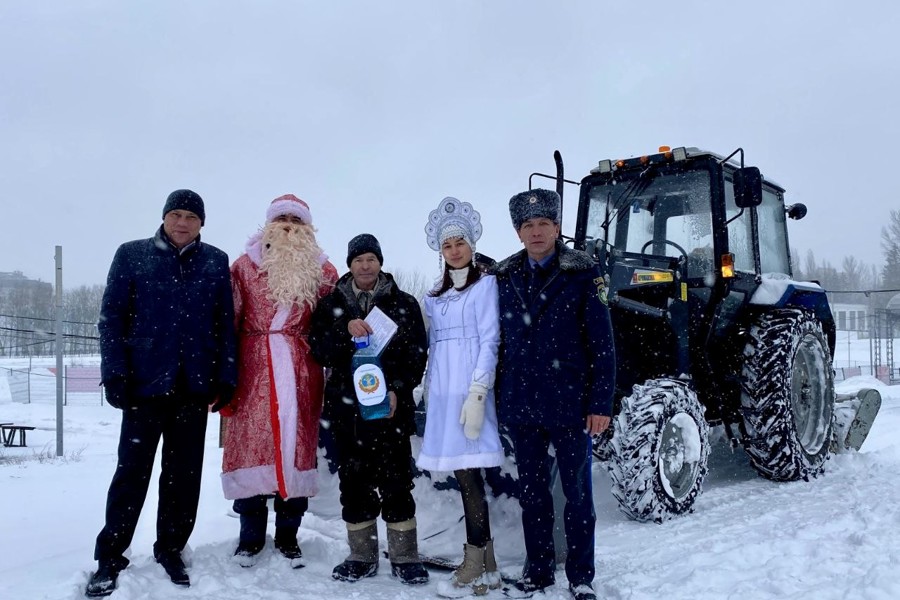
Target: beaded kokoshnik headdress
point(452, 219)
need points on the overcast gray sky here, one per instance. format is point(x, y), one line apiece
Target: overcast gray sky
point(374, 111)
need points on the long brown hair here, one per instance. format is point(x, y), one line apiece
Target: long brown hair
point(481, 265)
point(446, 283)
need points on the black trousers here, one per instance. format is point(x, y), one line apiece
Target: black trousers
point(573, 457)
point(181, 423)
point(375, 471)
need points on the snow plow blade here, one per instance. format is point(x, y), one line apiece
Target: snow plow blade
point(853, 418)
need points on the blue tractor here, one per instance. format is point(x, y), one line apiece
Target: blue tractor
point(710, 327)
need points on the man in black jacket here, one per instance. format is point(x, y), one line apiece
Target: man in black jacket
point(168, 351)
point(374, 456)
point(556, 378)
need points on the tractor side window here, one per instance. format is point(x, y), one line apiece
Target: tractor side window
point(740, 234)
point(772, 234)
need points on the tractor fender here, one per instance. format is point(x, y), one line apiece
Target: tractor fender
point(777, 290)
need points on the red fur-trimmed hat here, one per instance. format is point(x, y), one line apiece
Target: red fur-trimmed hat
point(289, 204)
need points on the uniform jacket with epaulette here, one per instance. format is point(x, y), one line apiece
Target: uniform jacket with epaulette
point(557, 359)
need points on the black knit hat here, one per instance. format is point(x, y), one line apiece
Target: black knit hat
point(185, 200)
point(364, 242)
point(534, 204)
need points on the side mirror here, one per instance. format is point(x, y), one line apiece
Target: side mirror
point(796, 211)
point(747, 187)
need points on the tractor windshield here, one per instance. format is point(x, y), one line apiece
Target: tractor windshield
point(658, 212)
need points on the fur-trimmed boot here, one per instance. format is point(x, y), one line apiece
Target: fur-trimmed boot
point(363, 559)
point(286, 544)
point(491, 574)
point(468, 578)
point(403, 549)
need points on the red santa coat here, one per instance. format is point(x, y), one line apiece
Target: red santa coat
point(272, 428)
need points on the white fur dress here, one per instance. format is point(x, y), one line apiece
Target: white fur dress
point(463, 337)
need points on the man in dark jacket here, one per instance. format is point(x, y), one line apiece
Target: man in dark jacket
point(374, 456)
point(168, 351)
point(556, 377)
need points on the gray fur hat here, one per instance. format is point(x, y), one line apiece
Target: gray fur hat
point(534, 204)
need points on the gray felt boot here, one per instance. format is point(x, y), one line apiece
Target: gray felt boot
point(363, 559)
point(403, 548)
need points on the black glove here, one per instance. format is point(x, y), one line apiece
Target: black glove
point(116, 392)
point(226, 393)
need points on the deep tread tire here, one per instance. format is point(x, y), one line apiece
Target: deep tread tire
point(787, 398)
point(659, 451)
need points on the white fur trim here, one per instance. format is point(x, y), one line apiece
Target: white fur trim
point(285, 390)
point(246, 483)
point(289, 205)
point(466, 461)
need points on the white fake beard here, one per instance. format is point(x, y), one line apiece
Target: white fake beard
point(290, 258)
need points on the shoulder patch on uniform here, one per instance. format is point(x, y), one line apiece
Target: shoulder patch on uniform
point(602, 284)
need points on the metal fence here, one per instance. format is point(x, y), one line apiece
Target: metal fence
point(81, 384)
point(880, 372)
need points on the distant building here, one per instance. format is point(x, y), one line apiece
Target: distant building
point(850, 317)
point(25, 306)
point(893, 305)
point(15, 286)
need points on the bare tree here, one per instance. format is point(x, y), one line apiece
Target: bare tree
point(81, 307)
point(890, 244)
point(415, 283)
point(796, 269)
point(856, 275)
point(810, 268)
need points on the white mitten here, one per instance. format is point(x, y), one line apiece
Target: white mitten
point(472, 415)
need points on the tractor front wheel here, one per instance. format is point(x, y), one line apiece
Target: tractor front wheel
point(658, 454)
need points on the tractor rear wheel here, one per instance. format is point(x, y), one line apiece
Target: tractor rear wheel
point(787, 398)
point(657, 457)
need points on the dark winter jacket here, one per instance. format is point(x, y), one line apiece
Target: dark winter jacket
point(166, 314)
point(403, 360)
point(557, 360)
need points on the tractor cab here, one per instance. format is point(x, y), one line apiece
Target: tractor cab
point(691, 206)
point(684, 236)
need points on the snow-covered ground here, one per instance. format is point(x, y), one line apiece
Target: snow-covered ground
point(832, 538)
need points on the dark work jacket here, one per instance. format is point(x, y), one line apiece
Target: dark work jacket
point(557, 359)
point(166, 315)
point(403, 360)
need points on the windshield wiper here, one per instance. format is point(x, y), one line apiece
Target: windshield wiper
point(635, 186)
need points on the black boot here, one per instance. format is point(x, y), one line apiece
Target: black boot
point(174, 566)
point(286, 544)
point(583, 591)
point(247, 554)
point(413, 573)
point(526, 587)
point(252, 540)
point(103, 580)
point(354, 570)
